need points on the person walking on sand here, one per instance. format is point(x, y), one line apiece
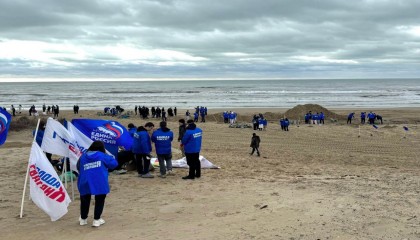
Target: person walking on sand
point(93, 168)
point(255, 144)
point(192, 146)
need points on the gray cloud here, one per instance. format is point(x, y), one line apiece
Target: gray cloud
point(237, 38)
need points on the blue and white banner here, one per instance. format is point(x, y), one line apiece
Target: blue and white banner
point(5, 119)
point(112, 133)
point(57, 139)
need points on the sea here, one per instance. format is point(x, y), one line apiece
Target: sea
point(226, 94)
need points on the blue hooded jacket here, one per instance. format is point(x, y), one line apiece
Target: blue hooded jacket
point(142, 143)
point(93, 173)
point(162, 139)
point(192, 139)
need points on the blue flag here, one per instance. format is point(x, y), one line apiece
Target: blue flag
point(376, 127)
point(112, 133)
point(5, 119)
point(405, 128)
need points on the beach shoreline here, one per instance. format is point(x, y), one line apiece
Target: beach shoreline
point(315, 181)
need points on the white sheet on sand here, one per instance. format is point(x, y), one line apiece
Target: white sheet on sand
point(182, 163)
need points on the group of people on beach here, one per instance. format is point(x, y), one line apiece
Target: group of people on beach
point(53, 109)
point(229, 117)
point(155, 112)
point(259, 122)
point(371, 116)
point(314, 118)
point(93, 166)
point(199, 112)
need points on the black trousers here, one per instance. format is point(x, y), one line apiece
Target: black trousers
point(85, 204)
point(253, 150)
point(124, 157)
point(143, 163)
point(193, 161)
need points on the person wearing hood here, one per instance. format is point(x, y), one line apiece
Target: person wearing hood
point(162, 139)
point(192, 146)
point(142, 147)
point(93, 168)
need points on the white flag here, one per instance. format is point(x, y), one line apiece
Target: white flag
point(81, 144)
point(57, 139)
point(46, 189)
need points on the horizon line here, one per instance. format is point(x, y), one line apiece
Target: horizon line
point(133, 79)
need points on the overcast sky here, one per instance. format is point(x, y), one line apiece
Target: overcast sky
point(210, 39)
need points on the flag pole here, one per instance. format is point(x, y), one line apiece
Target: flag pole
point(27, 173)
point(72, 184)
point(65, 172)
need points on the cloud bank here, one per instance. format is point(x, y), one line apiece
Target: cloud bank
point(210, 39)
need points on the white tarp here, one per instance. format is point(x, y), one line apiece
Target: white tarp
point(182, 163)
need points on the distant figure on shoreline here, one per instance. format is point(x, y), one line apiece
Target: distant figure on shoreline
point(363, 117)
point(350, 117)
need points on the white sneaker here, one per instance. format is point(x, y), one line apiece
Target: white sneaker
point(82, 222)
point(121, 171)
point(97, 223)
point(170, 172)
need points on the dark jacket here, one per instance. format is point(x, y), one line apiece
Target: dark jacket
point(255, 141)
point(181, 133)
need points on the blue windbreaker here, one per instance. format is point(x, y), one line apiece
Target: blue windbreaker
point(142, 143)
point(162, 139)
point(93, 173)
point(192, 139)
point(132, 131)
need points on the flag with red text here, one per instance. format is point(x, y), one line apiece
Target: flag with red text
point(46, 189)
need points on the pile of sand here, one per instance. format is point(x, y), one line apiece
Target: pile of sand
point(299, 112)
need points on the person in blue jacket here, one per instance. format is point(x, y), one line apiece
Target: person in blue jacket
point(321, 117)
point(363, 117)
point(142, 146)
point(93, 168)
point(192, 146)
point(315, 118)
point(162, 139)
point(350, 117)
point(371, 117)
point(195, 116)
point(203, 113)
point(132, 129)
point(286, 123)
point(282, 124)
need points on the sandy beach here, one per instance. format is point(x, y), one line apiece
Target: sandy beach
point(313, 182)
